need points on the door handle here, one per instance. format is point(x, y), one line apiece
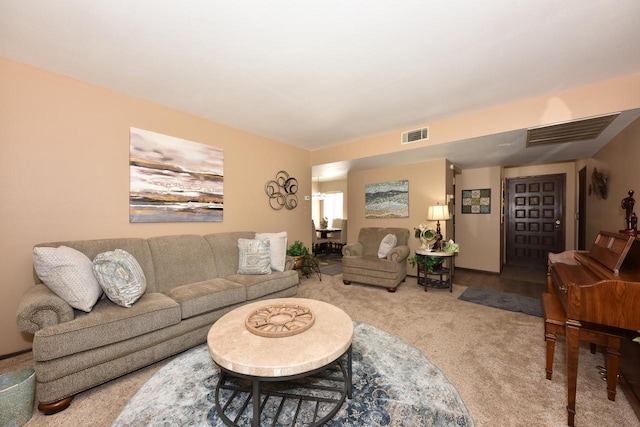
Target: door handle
point(558, 222)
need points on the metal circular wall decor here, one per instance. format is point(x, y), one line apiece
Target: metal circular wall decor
point(282, 191)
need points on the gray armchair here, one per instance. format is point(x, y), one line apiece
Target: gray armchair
point(360, 262)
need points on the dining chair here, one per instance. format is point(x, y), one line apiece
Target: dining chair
point(340, 239)
point(317, 242)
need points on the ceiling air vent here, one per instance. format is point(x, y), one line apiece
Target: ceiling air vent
point(412, 136)
point(576, 130)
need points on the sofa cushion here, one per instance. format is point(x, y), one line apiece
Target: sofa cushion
point(120, 277)
point(389, 242)
point(106, 324)
point(259, 286)
point(202, 297)
point(371, 262)
point(180, 260)
point(254, 256)
point(277, 248)
point(225, 250)
point(69, 274)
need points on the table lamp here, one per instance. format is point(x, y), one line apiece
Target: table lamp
point(438, 213)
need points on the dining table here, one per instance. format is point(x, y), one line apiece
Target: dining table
point(324, 232)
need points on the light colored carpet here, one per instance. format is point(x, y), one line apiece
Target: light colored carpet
point(392, 382)
point(494, 358)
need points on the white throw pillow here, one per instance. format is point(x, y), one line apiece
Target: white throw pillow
point(389, 242)
point(255, 257)
point(120, 277)
point(69, 274)
point(278, 248)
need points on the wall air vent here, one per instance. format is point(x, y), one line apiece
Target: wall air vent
point(411, 136)
point(575, 130)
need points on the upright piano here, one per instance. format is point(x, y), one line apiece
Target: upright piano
point(601, 287)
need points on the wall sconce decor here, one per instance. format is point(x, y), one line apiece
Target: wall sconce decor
point(282, 191)
point(598, 184)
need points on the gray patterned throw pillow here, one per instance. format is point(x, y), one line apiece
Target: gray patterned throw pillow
point(120, 277)
point(255, 256)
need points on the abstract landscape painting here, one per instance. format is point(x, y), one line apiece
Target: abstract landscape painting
point(387, 199)
point(174, 180)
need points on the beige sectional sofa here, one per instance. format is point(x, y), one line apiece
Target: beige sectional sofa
point(192, 280)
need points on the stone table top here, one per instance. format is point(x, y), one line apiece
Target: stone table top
point(233, 347)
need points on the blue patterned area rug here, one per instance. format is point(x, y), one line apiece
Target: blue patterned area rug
point(393, 384)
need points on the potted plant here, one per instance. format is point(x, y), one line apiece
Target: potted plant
point(297, 250)
point(430, 264)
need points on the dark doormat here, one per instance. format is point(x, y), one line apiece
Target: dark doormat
point(503, 300)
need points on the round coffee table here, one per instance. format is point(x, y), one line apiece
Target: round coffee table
point(248, 360)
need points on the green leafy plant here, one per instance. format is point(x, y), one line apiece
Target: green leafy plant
point(431, 264)
point(297, 248)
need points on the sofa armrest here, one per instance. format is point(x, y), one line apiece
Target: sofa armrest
point(399, 253)
point(40, 308)
point(353, 249)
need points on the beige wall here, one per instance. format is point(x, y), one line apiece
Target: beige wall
point(620, 161)
point(65, 174)
point(479, 234)
point(427, 186)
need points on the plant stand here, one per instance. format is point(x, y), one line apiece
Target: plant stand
point(308, 264)
point(438, 278)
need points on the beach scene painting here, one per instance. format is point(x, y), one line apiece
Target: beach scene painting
point(173, 179)
point(387, 199)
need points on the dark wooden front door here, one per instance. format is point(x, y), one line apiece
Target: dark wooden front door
point(534, 219)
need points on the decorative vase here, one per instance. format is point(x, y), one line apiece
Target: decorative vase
point(425, 243)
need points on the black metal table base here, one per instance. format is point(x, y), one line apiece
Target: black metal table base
point(437, 283)
point(317, 396)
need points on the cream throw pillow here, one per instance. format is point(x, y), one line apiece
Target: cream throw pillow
point(389, 242)
point(120, 277)
point(69, 274)
point(255, 257)
point(277, 248)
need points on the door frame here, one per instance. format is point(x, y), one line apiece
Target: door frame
point(581, 227)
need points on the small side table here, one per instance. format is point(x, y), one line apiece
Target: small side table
point(447, 272)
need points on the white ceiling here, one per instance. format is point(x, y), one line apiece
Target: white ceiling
point(320, 73)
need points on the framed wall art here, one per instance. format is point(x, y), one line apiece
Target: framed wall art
point(476, 201)
point(173, 180)
point(387, 199)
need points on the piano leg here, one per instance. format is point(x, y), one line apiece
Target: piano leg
point(613, 362)
point(573, 349)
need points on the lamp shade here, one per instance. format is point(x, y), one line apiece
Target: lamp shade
point(438, 213)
